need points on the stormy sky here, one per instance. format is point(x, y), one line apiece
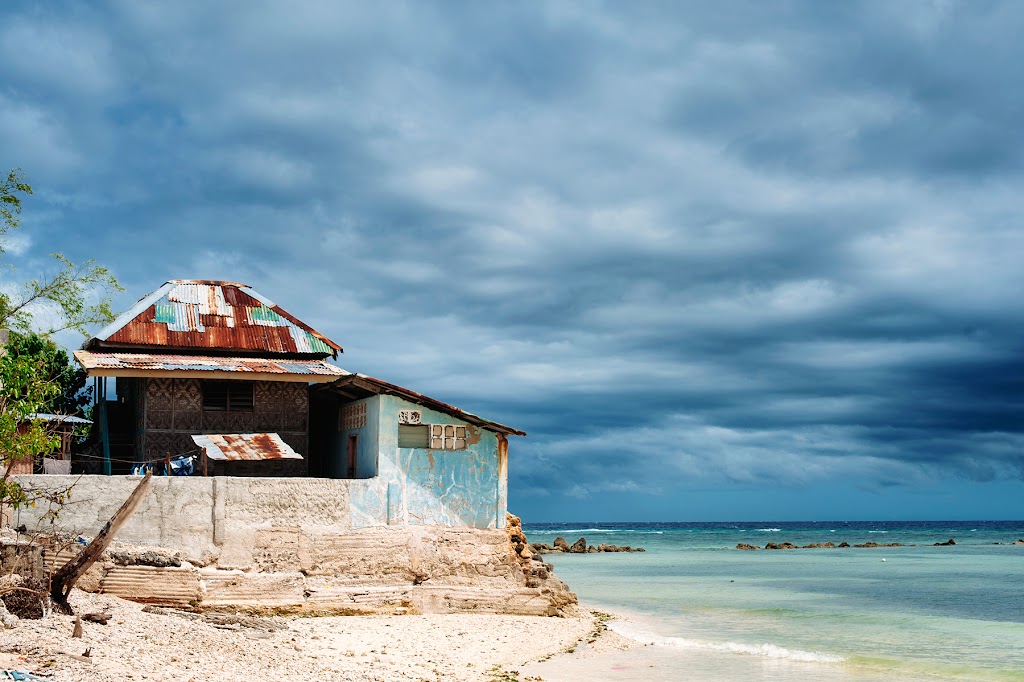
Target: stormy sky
point(735, 260)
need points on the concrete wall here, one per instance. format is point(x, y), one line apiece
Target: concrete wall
point(302, 544)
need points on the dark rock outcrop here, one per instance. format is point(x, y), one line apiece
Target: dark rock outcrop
point(948, 542)
point(784, 545)
point(535, 573)
point(844, 543)
point(580, 547)
point(747, 547)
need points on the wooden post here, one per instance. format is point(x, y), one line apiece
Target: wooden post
point(64, 579)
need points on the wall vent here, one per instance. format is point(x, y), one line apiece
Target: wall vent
point(410, 417)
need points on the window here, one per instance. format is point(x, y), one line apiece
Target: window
point(432, 436)
point(447, 437)
point(413, 436)
point(227, 396)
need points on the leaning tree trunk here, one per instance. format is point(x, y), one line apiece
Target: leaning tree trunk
point(64, 579)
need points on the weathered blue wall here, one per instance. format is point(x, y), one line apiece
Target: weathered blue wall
point(443, 487)
point(366, 444)
point(422, 486)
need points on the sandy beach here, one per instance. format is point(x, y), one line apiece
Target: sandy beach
point(137, 644)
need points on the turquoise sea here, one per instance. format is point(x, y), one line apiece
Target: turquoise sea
point(706, 611)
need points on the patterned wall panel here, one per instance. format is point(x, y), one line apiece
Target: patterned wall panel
point(160, 394)
point(174, 411)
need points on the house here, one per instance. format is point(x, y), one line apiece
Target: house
point(217, 370)
point(206, 357)
point(319, 490)
point(59, 461)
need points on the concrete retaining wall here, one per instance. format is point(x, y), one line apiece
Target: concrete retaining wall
point(292, 544)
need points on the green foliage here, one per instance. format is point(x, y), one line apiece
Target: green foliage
point(55, 366)
point(10, 203)
point(23, 394)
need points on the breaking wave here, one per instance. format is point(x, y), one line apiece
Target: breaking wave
point(577, 530)
point(763, 650)
point(769, 530)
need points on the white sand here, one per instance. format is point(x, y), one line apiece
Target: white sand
point(136, 645)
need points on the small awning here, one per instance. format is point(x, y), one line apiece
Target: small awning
point(244, 446)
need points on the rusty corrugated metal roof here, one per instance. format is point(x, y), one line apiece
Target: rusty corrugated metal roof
point(244, 446)
point(202, 366)
point(190, 314)
point(374, 386)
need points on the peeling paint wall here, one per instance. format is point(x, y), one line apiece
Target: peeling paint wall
point(440, 487)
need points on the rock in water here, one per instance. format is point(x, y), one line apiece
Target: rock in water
point(561, 544)
point(578, 547)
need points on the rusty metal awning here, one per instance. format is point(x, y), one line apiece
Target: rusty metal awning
point(205, 367)
point(244, 446)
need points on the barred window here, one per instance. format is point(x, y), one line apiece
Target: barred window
point(227, 396)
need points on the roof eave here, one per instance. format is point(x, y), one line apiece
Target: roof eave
point(380, 387)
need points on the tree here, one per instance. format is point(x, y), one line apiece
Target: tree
point(35, 375)
point(55, 366)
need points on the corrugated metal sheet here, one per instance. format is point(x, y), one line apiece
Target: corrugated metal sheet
point(151, 585)
point(245, 446)
point(217, 315)
point(131, 364)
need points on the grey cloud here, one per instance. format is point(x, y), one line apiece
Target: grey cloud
point(767, 246)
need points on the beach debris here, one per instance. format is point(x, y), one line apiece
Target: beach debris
point(23, 597)
point(64, 579)
point(8, 674)
point(100, 617)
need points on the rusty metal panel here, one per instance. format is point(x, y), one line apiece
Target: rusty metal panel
point(244, 446)
point(188, 314)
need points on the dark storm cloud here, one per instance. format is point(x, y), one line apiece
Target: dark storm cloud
point(681, 245)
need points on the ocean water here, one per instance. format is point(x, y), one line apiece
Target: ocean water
point(706, 611)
